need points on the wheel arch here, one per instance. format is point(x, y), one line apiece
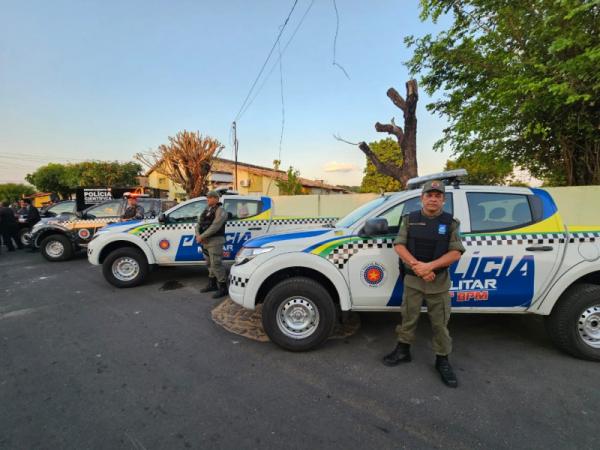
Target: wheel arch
point(582, 273)
point(114, 245)
point(310, 266)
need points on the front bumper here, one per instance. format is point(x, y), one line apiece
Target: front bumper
point(239, 277)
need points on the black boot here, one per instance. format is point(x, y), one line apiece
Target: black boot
point(211, 286)
point(445, 369)
point(221, 291)
point(400, 354)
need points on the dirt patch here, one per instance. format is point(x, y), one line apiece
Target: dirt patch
point(248, 323)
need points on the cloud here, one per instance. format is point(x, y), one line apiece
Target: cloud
point(334, 166)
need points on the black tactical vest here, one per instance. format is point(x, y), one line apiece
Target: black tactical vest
point(206, 219)
point(428, 238)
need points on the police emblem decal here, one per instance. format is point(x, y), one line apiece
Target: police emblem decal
point(372, 274)
point(442, 228)
point(84, 233)
point(164, 244)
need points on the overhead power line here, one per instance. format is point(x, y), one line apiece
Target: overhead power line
point(287, 44)
point(238, 115)
point(337, 28)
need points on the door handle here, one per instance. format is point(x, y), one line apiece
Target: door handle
point(255, 228)
point(543, 248)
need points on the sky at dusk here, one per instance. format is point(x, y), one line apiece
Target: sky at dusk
point(104, 80)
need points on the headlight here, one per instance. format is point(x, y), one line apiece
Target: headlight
point(247, 253)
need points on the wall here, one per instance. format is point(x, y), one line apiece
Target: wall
point(577, 205)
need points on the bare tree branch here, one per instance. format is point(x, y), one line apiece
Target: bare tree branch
point(389, 169)
point(186, 160)
point(396, 99)
point(337, 137)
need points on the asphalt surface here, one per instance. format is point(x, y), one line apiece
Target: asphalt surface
point(85, 365)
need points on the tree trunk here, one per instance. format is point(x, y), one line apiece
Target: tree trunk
point(407, 137)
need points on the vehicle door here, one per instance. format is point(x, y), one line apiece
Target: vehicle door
point(173, 241)
point(244, 223)
point(373, 268)
point(509, 258)
point(95, 218)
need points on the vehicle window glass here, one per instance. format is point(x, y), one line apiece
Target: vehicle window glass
point(62, 207)
point(361, 212)
point(107, 209)
point(188, 212)
point(394, 214)
point(242, 209)
point(150, 205)
point(494, 212)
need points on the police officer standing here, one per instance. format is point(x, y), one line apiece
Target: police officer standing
point(133, 210)
point(210, 234)
point(428, 242)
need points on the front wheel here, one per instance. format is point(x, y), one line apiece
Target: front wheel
point(298, 314)
point(574, 325)
point(56, 247)
point(125, 267)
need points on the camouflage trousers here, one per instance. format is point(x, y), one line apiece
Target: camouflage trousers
point(438, 309)
point(213, 254)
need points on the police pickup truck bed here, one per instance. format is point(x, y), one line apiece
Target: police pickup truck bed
point(127, 250)
point(520, 258)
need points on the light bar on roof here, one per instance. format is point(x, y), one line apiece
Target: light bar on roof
point(447, 177)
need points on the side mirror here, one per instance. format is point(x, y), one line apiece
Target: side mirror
point(375, 227)
point(162, 218)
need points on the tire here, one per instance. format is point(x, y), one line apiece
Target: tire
point(574, 325)
point(125, 267)
point(56, 247)
point(314, 309)
point(24, 237)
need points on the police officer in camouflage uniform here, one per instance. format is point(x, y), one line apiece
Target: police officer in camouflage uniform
point(133, 210)
point(210, 234)
point(428, 242)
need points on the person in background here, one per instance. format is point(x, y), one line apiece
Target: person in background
point(9, 227)
point(133, 210)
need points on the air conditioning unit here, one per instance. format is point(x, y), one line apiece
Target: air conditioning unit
point(245, 183)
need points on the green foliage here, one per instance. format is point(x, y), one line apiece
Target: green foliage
point(291, 185)
point(387, 150)
point(482, 168)
point(11, 192)
point(62, 178)
point(519, 79)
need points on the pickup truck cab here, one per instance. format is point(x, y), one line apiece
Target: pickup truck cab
point(520, 258)
point(127, 250)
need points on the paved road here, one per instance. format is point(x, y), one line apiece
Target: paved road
point(84, 365)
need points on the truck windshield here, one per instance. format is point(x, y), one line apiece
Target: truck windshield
point(360, 212)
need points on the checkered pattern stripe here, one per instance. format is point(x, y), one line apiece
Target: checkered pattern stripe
point(591, 236)
point(247, 223)
point(342, 254)
point(147, 232)
point(302, 221)
point(238, 281)
point(89, 221)
point(513, 239)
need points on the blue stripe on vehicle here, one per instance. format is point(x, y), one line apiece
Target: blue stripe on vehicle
point(120, 224)
point(266, 203)
point(264, 240)
point(396, 298)
point(548, 205)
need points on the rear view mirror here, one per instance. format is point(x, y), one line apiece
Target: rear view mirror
point(375, 227)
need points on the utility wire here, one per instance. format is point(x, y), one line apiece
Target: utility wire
point(280, 56)
point(282, 102)
point(238, 115)
point(337, 28)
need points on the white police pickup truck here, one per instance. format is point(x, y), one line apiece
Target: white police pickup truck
point(127, 250)
point(520, 258)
